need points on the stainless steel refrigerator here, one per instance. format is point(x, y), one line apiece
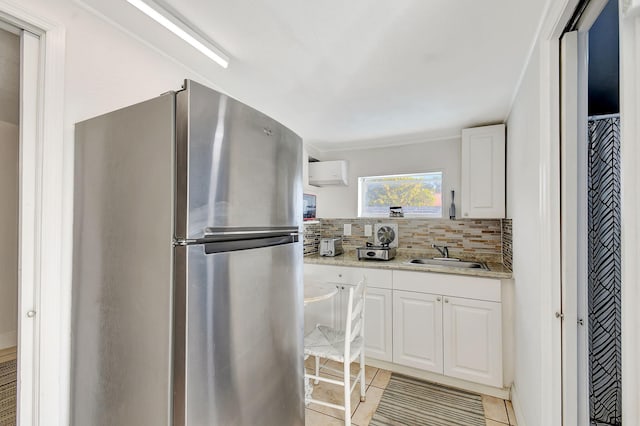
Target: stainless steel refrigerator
point(187, 270)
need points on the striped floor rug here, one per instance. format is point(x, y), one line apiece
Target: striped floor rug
point(408, 401)
point(8, 377)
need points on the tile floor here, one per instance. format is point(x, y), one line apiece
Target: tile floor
point(498, 412)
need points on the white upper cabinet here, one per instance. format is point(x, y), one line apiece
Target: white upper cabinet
point(483, 172)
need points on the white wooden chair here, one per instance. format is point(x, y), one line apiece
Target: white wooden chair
point(342, 346)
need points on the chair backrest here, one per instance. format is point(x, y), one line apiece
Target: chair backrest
point(354, 323)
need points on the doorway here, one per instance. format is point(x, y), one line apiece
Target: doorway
point(591, 216)
point(42, 251)
point(9, 159)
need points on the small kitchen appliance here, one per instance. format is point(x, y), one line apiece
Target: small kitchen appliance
point(386, 241)
point(382, 252)
point(331, 247)
point(385, 234)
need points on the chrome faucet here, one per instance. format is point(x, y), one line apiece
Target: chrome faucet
point(444, 250)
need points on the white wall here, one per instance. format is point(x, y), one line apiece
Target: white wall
point(9, 233)
point(533, 204)
point(105, 69)
point(523, 133)
point(342, 201)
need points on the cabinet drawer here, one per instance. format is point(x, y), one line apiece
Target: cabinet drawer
point(449, 285)
point(376, 278)
point(327, 273)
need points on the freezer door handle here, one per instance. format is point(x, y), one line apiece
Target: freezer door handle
point(235, 245)
point(228, 234)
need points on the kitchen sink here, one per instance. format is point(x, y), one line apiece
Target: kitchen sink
point(448, 262)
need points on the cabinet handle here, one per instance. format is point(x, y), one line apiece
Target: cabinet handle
point(446, 300)
point(438, 299)
point(343, 287)
point(340, 275)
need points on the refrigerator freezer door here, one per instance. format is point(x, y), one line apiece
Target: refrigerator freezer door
point(236, 167)
point(239, 357)
point(122, 267)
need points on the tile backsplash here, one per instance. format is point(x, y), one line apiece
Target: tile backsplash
point(464, 237)
point(507, 243)
point(311, 235)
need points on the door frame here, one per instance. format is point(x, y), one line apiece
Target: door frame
point(574, 121)
point(630, 158)
point(573, 192)
point(44, 252)
point(547, 46)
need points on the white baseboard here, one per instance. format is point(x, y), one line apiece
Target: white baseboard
point(517, 408)
point(8, 339)
point(502, 393)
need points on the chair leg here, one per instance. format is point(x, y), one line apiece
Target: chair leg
point(317, 370)
point(347, 394)
point(363, 396)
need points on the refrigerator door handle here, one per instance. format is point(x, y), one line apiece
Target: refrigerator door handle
point(235, 245)
point(227, 234)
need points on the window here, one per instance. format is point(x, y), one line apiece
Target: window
point(419, 194)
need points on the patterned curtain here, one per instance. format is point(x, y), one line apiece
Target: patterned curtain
point(605, 391)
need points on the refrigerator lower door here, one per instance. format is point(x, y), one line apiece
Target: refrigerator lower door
point(239, 336)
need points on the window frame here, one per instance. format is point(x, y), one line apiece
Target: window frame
point(416, 216)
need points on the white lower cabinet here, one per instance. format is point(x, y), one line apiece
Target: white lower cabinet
point(324, 312)
point(473, 340)
point(378, 306)
point(378, 324)
point(417, 330)
point(435, 329)
point(442, 323)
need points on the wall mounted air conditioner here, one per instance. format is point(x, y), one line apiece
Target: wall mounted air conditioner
point(325, 173)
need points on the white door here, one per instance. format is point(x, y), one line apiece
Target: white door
point(473, 340)
point(483, 172)
point(575, 351)
point(417, 330)
point(378, 324)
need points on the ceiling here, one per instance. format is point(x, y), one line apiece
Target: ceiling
point(360, 72)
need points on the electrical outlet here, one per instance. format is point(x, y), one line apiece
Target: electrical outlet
point(368, 230)
point(347, 229)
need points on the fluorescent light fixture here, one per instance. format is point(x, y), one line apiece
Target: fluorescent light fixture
point(182, 30)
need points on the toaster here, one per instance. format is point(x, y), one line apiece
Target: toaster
point(331, 246)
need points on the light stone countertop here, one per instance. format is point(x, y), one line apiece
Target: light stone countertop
point(349, 258)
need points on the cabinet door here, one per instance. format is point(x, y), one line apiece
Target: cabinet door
point(483, 172)
point(378, 324)
point(323, 312)
point(473, 340)
point(417, 330)
point(341, 307)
